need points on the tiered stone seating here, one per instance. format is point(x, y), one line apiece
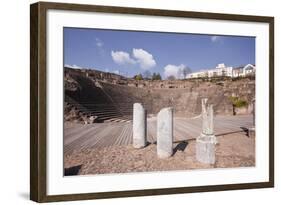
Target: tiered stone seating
point(93, 101)
point(124, 97)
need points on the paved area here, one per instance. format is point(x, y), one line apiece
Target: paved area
point(100, 135)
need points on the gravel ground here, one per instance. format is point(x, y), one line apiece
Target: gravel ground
point(233, 150)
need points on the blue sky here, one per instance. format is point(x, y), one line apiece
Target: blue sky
point(129, 53)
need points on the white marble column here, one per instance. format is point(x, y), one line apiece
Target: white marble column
point(207, 118)
point(252, 129)
point(139, 126)
point(165, 133)
point(204, 113)
point(254, 112)
point(206, 142)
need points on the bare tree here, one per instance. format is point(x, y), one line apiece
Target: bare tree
point(182, 72)
point(186, 70)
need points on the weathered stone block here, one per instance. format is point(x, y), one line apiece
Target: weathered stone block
point(206, 149)
point(165, 133)
point(139, 126)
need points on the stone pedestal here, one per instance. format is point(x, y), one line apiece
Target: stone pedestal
point(206, 148)
point(165, 133)
point(139, 126)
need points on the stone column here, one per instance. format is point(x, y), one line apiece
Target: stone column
point(204, 114)
point(252, 129)
point(254, 112)
point(206, 142)
point(165, 133)
point(209, 129)
point(139, 126)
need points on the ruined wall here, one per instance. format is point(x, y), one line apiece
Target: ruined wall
point(186, 101)
point(184, 95)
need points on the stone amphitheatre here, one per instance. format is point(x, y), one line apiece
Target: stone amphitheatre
point(98, 122)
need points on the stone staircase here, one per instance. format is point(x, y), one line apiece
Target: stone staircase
point(92, 100)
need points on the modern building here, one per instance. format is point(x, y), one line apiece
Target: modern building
point(237, 72)
point(243, 71)
point(222, 70)
point(199, 74)
point(249, 70)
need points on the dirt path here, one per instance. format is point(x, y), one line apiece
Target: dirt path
point(233, 150)
point(101, 135)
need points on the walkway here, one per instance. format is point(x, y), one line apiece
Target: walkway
point(78, 136)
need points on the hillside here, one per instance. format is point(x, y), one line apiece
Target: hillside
point(109, 97)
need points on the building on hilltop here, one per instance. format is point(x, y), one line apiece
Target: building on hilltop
point(222, 70)
point(249, 69)
point(243, 71)
point(237, 72)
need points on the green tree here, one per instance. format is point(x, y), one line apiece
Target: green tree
point(138, 77)
point(156, 76)
point(237, 103)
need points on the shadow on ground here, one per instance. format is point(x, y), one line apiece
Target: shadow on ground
point(229, 133)
point(180, 147)
point(246, 130)
point(71, 171)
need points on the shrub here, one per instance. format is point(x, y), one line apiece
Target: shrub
point(138, 77)
point(241, 103)
point(237, 102)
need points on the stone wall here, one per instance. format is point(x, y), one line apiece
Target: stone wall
point(184, 95)
point(186, 101)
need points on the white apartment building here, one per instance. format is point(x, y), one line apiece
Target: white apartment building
point(222, 70)
point(243, 71)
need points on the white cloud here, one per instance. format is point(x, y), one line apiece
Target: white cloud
point(139, 56)
point(174, 70)
point(72, 66)
point(144, 58)
point(116, 72)
point(215, 38)
point(122, 58)
point(99, 43)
